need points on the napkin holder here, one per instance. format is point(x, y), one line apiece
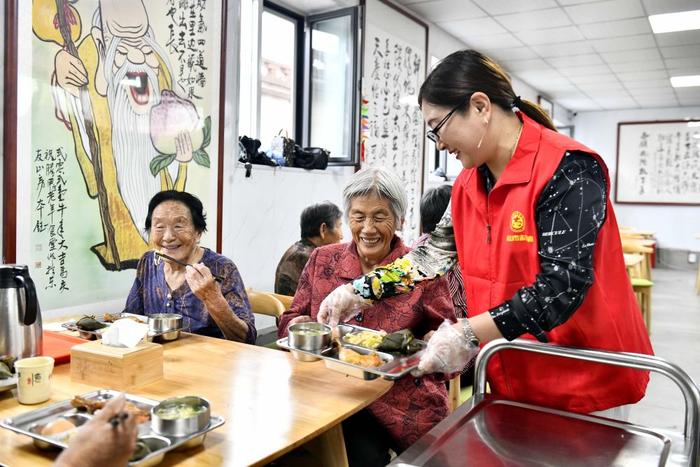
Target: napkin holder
point(116, 367)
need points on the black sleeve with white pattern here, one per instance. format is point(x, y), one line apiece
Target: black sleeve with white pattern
point(569, 215)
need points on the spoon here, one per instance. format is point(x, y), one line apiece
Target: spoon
point(182, 263)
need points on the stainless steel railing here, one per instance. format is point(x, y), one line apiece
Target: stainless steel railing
point(690, 391)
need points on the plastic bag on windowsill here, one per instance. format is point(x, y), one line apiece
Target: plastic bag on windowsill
point(311, 158)
point(250, 154)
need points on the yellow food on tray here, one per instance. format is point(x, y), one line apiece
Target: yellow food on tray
point(355, 358)
point(367, 339)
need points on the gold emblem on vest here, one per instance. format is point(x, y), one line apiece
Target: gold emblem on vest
point(517, 222)
point(517, 225)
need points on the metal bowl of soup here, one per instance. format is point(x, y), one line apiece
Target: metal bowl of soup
point(312, 337)
point(165, 326)
point(180, 416)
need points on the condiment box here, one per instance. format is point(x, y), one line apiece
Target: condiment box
point(116, 367)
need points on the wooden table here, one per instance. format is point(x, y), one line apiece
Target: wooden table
point(271, 403)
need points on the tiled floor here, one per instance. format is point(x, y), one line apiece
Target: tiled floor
point(676, 337)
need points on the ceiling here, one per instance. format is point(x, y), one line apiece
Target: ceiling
point(585, 54)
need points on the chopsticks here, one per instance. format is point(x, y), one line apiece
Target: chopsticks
point(182, 263)
point(114, 420)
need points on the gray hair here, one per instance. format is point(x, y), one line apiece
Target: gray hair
point(381, 182)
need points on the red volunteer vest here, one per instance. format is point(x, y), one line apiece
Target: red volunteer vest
point(496, 264)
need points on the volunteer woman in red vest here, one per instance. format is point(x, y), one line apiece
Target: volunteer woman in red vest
point(537, 242)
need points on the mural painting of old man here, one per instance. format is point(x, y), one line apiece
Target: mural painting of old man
point(113, 89)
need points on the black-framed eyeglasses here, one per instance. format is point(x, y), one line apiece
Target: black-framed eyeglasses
point(432, 134)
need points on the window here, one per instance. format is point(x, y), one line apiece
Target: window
point(298, 76)
point(279, 100)
point(332, 113)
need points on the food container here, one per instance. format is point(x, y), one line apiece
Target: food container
point(311, 337)
point(336, 364)
point(145, 446)
point(77, 420)
point(89, 335)
point(166, 326)
point(396, 365)
point(31, 424)
point(180, 416)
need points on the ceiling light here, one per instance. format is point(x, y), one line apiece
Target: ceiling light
point(685, 81)
point(671, 22)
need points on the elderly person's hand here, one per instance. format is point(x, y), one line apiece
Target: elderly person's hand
point(201, 282)
point(448, 351)
point(98, 443)
point(340, 305)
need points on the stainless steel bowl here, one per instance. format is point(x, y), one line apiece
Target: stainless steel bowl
point(309, 336)
point(166, 326)
point(312, 337)
point(167, 418)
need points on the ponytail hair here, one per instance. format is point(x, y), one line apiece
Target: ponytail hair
point(535, 112)
point(465, 72)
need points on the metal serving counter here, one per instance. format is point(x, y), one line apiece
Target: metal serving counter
point(487, 430)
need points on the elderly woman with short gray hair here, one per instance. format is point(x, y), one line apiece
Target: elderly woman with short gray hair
point(375, 207)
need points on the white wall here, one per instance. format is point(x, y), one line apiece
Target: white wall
point(264, 215)
point(675, 226)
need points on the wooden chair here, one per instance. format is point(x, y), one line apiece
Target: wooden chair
point(633, 245)
point(285, 299)
point(264, 303)
point(640, 275)
point(454, 393)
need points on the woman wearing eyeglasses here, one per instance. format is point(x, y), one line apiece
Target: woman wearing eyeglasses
point(538, 245)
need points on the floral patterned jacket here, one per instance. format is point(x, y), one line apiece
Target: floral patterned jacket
point(413, 405)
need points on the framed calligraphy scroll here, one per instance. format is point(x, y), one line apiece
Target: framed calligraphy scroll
point(112, 101)
point(393, 132)
point(658, 162)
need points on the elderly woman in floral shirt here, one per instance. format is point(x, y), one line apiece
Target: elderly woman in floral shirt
point(375, 206)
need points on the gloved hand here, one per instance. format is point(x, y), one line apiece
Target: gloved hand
point(340, 305)
point(448, 351)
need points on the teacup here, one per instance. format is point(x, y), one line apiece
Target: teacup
point(34, 379)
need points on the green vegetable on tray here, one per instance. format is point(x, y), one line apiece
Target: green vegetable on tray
point(5, 371)
point(89, 323)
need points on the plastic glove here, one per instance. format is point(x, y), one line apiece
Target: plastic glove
point(448, 351)
point(340, 305)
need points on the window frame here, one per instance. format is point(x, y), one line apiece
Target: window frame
point(299, 64)
point(351, 159)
